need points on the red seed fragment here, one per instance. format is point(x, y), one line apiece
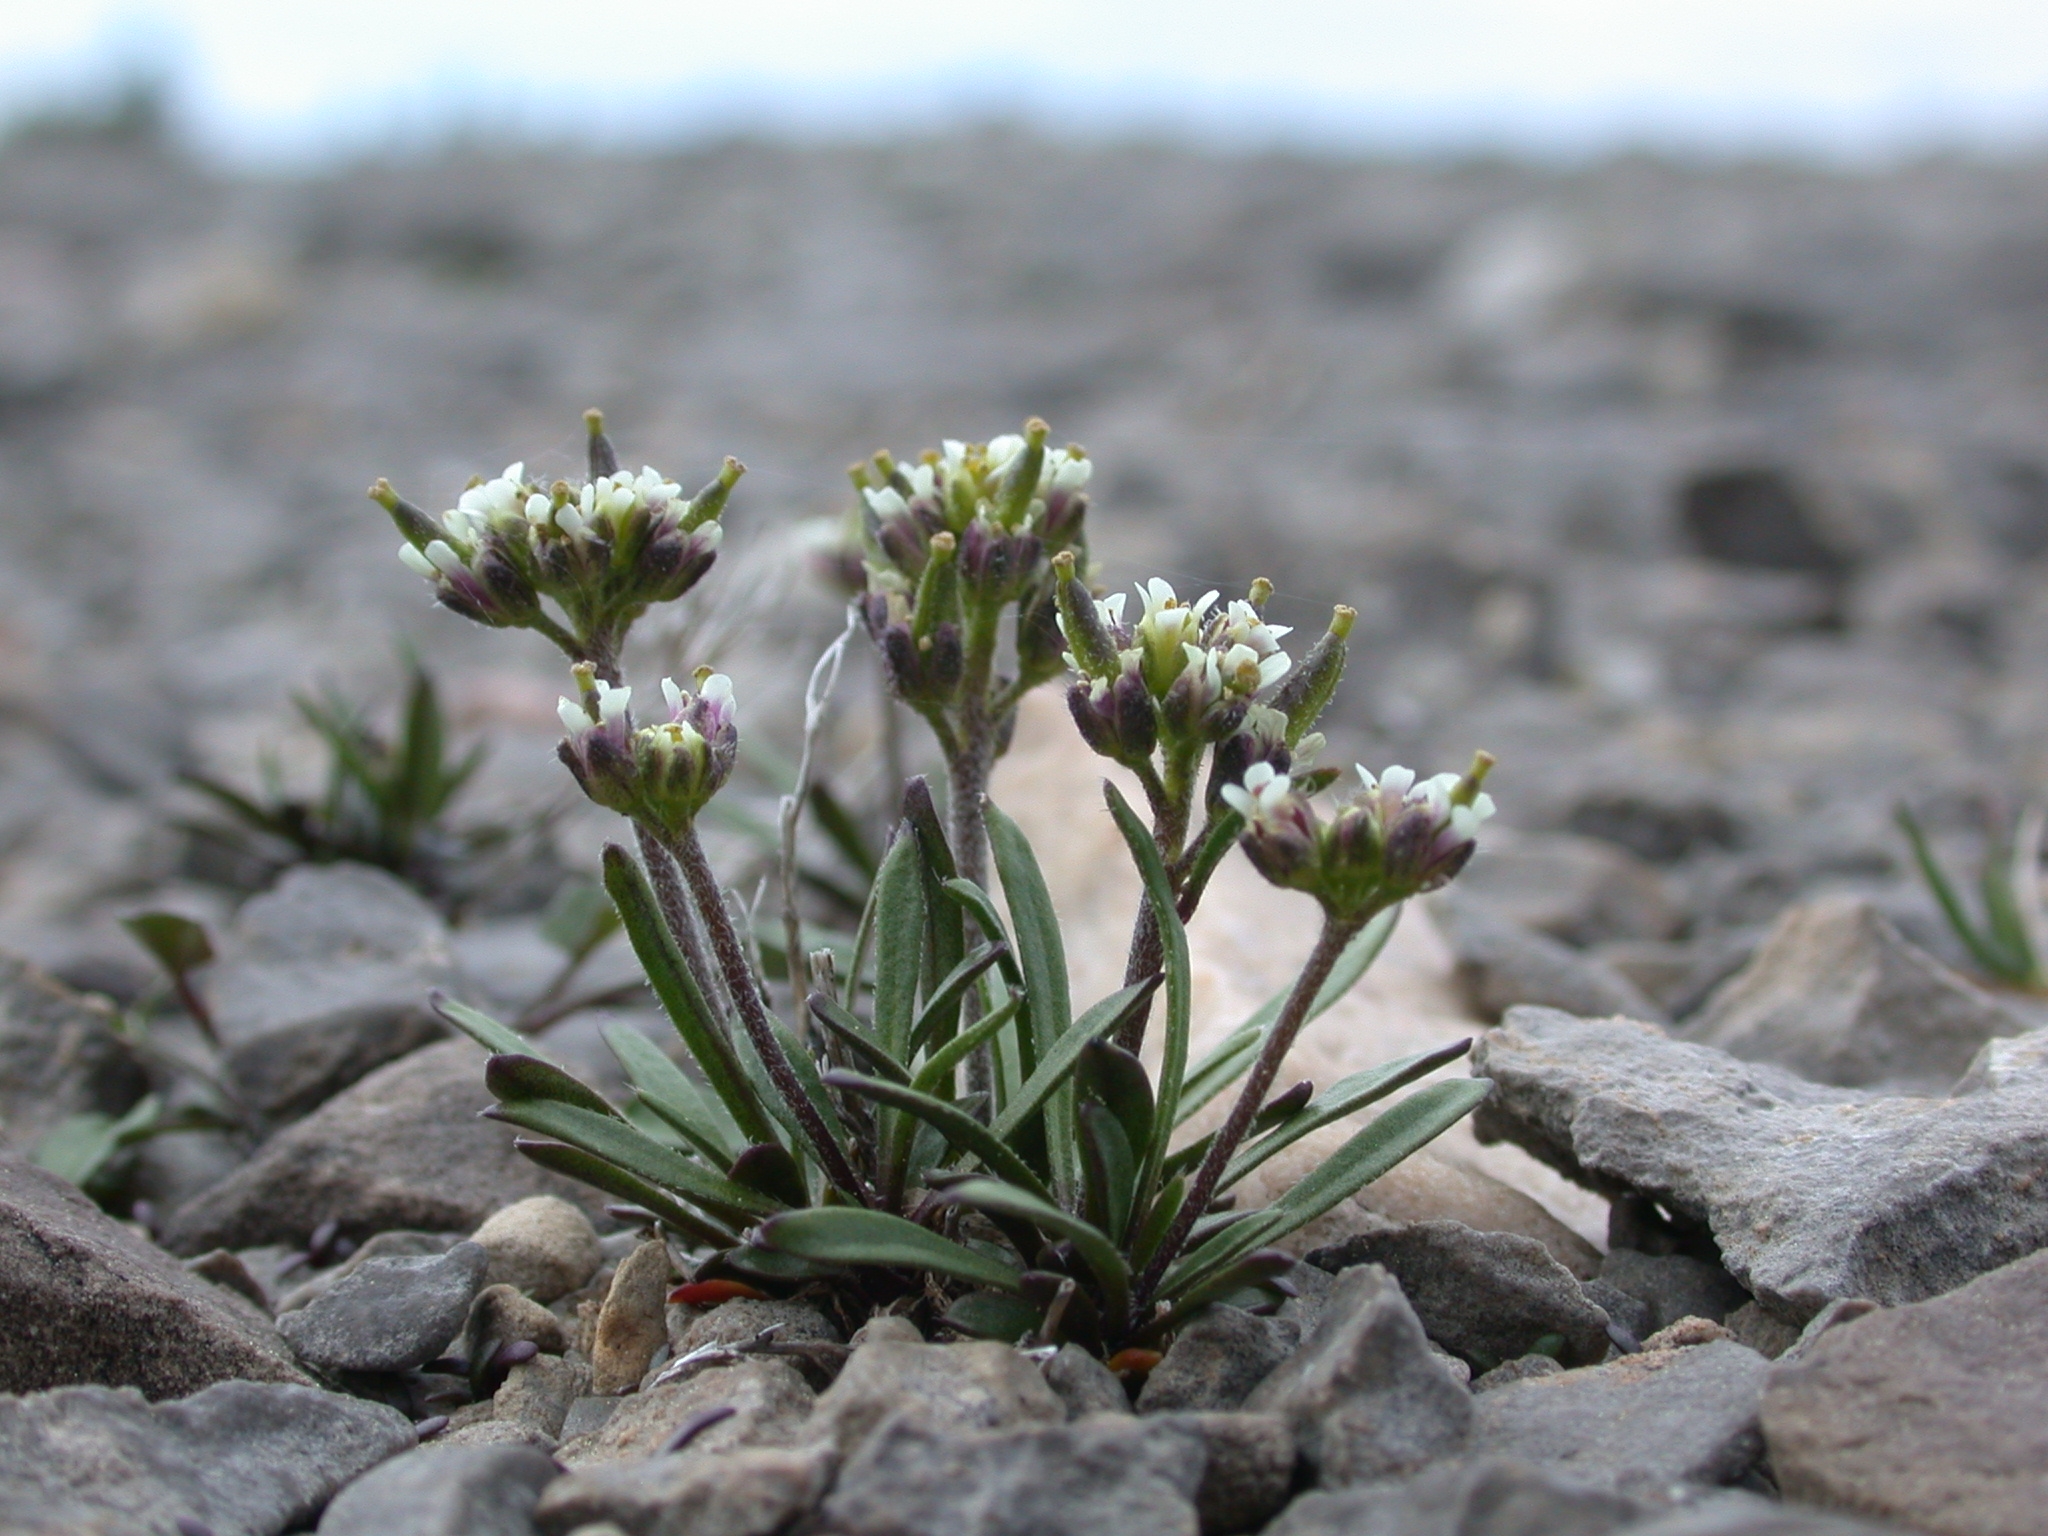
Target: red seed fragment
point(709, 1293)
point(1133, 1362)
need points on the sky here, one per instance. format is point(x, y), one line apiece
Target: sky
point(260, 81)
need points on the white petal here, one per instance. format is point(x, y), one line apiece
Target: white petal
point(672, 692)
point(717, 688)
point(574, 717)
point(445, 559)
point(886, 502)
point(1396, 781)
point(1238, 800)
point(416, 562)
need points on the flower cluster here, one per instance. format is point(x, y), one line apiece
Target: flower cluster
point(603, 551)
point(951, 540)
point(1397, 838)
point(659, 774)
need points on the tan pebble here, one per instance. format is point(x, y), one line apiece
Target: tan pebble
point(543, 1246)
point(631, 1325)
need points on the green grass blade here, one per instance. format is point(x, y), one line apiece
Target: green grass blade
point(1047, 1005)
point(667, 1090)
point(1056, 1071)
point(936, 1075)
point(942, 1009)
point(959, 1128)
point(1173, 939)
point(517, 1075)
point(498, 1039)
point(1095, 1248)
point(844, 1235)
point(982, 908)
point(708, 1044)
point(899, 945)
point(599, 1174)
point(1981, 949)
point(845, 1027)
point(1344, 1097)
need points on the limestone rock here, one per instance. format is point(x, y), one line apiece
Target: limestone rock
point(950, 1387)
point(1576, 889)
point(755, 1491)
point(1673, 1285)
point(59, 1056)
point(632, 1325)
point(1365, 1397)
point(1500, 963)
point(391, 1314)
point(1214, 1362)
point(1084, 1384)
point(1811, 1192)
point(1837, 995)
point(444, 1491)
point(769, 1399)
point(402, 1148)
point(539, 1393)
point(1934, 1415)
point(241, 1458)
point(1636, 1424)
point(87, 1299)
point(1429, 1187)
point(1247, 1469)
point(1464, 1498)
point(541, 1245)
point(1487, 1297)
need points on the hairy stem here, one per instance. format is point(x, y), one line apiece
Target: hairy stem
point(746, 996)
point(1250, 1099)
point(682, 922)
point(1171, 810)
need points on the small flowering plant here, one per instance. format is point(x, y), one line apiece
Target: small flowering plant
point(941, 1126)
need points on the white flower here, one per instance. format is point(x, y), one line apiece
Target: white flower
point(1064, 471)
point(923, 479)
point(537, 508)
point(1263, 792)
point(444, 558)
point(575, 719)
point(417, 563)
point(1110, 610)
point(953, 453)
point(612, 702)
point(885, 502)
point(1000, 451)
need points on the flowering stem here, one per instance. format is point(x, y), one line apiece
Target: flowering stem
point(1171, 807)
point(1336, 934)
point(675, 911)
point(746, 997)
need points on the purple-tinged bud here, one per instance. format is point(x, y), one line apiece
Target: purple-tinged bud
point(1094, 648)
point(708, 503)
point(418, 528)
point(1311, 684)
point(1040, 648)
point(1116, 719)
point(603, 459)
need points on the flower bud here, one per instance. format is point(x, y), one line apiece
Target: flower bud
point(1116, 718)
point(1308, 689)
point(1093, 648)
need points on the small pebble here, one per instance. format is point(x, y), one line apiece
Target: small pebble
point(426, 1429)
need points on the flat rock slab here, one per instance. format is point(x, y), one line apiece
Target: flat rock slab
point(1838, 995)
point(760, 1402)
point(1639, 1423)
point(947, 1387)
point(241, 1458)
point(1812, 1192)
point(1214, 1362)
point(1488, 1297)
point(459, 1490)
point(754, 1491)
point(87, 1300)
point(389, 1314)
point(1493, 1497)
point(1112, 1475)
point(1934, 1415)
point(402, 1148)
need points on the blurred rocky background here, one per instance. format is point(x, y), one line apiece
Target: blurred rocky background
point(1714, 500)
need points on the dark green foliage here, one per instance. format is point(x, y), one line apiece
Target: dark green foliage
point(2008, 944)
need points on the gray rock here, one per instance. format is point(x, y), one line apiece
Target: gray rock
point(1576, 889)
point(241, 1458)
point(1845, 1310)
point(1485, 1296)
point(1922, 1195)
point(756, 1491)
point(1507, 1374)
point(444, 1491)
point(323, 979)
point(738, 1320)
point(1481, 1497)
point(1084, 1384)
point(1247, 1471)
point(1364, 1396)
point(1626, 1314)
point(381, 1245)
point(769, 1400)
point(402, 1148)
point(542, 1245)
point(1214, 1362)
point(633, 1322)
point(1837, 995)
point(59, 1057)
point(1732, 1513)
point(1107, 1476)
point(391, 1314)
point(539, 1393)
point(1302, 1310)
point(587, 1415)
point(1750, 1324)
point(501, 1315)
point(1499, 963)
point(87, 1299)
point(1636, 1424)
point(1673, 1285)
point(948, 1387)
point(1934, 1415)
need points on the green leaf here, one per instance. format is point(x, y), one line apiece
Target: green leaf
point(1250, 1272)
point(844, 1235)
point(1118, 1080)
point(1344, 1097)
point(849, 1029)
point(1109, 1171)
point(774, 1171)
point(943, 1006)
point(1235, 1053)
point(945, 926)
point(1039, 950)
point(599, 1174)
point(959, 1128)
point(1057, 1069)
point(936, 1075)
point(1096, 1250)
point(668, 1091)
point(178, 944)
point(79, 1147)
point(899, 944)
point(619, 1144)
point(498, 1039)
point(1173, 940)
point(1397, 1133)
point(516, 1075)
point(707, 1042)
point(978, 905)
point(992, 1315)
